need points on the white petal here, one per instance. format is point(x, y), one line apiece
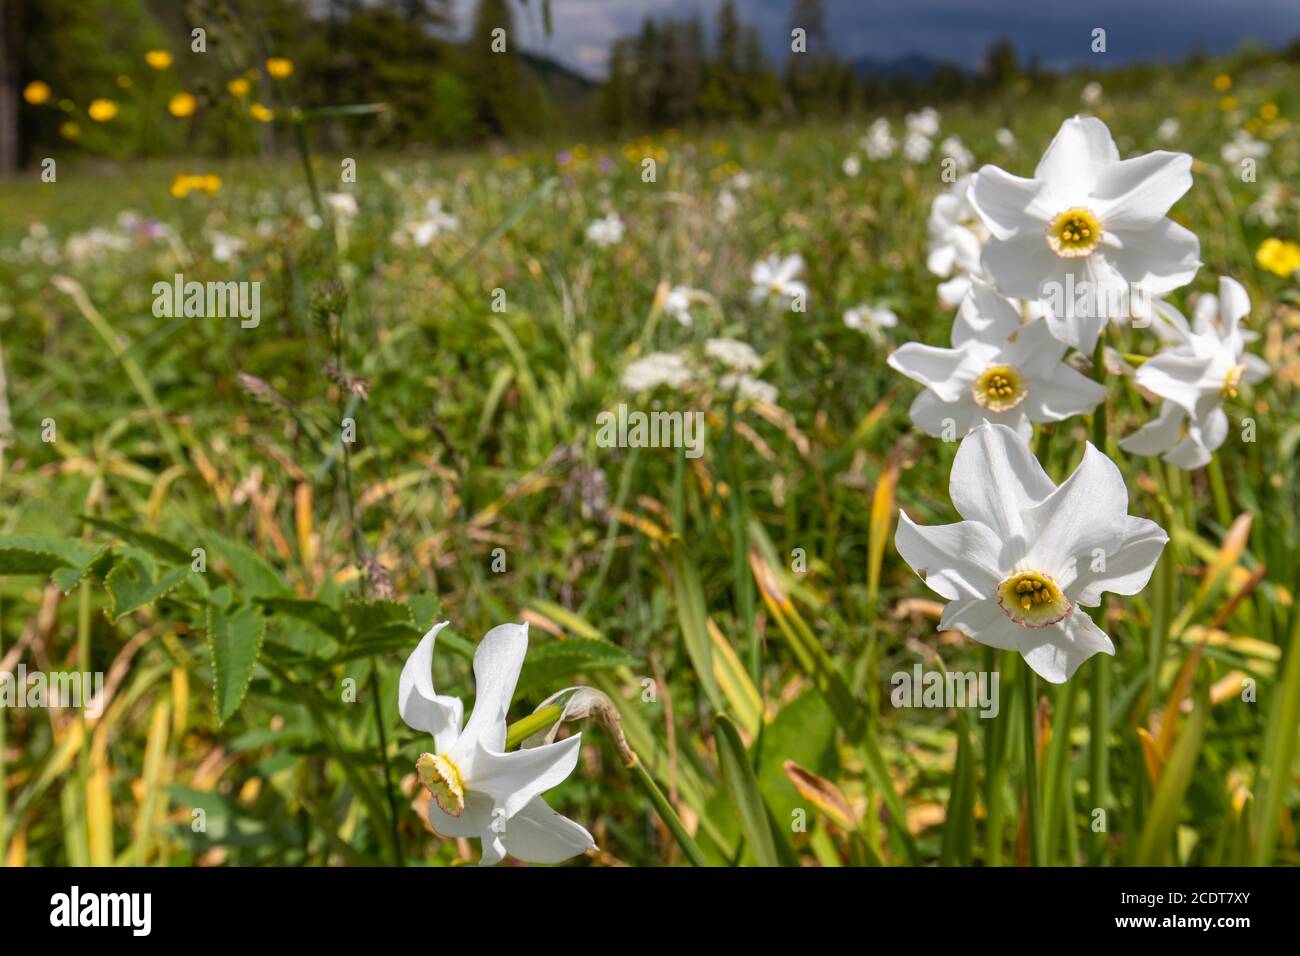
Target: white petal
point(1007, 204)
point(985, 316)
point(1036, 352)
point(1077, 155)
point(1055, 652)
point(1023, 266)
point(955, 560)
point(953, 291)
point(1256, 369)
point(1175, 375)
point(948, 372)
point(1234, 304)
point(497, 661)
point(1139, 191)
point(941, 259)
point(1086, 539)
point(537, 834)
point(420, 706)
point(1190, 453)
point(1160, 434)
point(473, 819)
point(1063, 394)
point(940, 419)
point(1160, 258)
point(512, 779)
point(1169, 325)
point(995, 479)
point(981, 619)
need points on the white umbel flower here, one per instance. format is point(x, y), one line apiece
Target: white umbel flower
point(1204, 368)
point(871, 319)
point(1089, 215)
point(734, 354)
point(655, 369)
point(677, 303)
point(477, 788)
point(997, 370)
point(1030, 555)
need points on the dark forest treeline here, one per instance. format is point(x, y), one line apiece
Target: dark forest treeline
point(444, 83)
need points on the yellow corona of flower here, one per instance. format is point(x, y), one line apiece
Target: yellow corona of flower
point(280, 68)
point(261, 113)
point(69, 130)
point(36, 92)
point(1222, 83)
point(1227, 103)
point(1279, 257)
point(239, 87)
point(182, 104)
point(101, 110)
point(158, 59)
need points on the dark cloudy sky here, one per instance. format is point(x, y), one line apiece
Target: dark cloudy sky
point(1059, 31)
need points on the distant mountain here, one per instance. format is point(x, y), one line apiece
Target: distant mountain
point(563, 84)
point(912, 66)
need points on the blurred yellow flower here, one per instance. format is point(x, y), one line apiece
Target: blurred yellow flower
point(1268, 111)
point(101, 111)
point(1227, 103)
point(185, 183)
point(69, 130)
point(183, 104)
point(1222, 83)
point(279, 67)
point(239, 87)
point(1278, 257)
point(158, 59)
point(261, 113)
point(36, 92)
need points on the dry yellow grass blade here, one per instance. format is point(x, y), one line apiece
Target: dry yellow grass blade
point(823, 795)
point(733, 680)
point(882, 520)
point(99, 810)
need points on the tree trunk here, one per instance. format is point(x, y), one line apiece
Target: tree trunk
point(10, 45)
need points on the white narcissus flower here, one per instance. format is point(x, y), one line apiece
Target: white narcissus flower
point(998, 370)
point(916, 147)
point(956, 233)
point(879, 142)
point(871, 319)
point(478, 789)
point(1206, 366)
point(777, 278)
point(1243, 146)
point(677, 303)
point(924, 121)
point(607, 231)
point(1030, 555)
point(1090, 216)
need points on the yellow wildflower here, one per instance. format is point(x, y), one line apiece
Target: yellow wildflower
point(36, 92)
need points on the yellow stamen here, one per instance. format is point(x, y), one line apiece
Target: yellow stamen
point(999, 388)
point(1074, 233)
point(442, 779)
point(1232, 381)
point(1033, 599)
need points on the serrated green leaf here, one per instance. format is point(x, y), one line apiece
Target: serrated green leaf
point(159, 547)
point(426, 610)
point(250, 570)
point(130, 586)
point(577, 655)
point(316, 613)
point(235, 640)
point(27, 554)
point(372, 620)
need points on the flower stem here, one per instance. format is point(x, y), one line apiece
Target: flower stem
point(521, 730)
point(1099, 735)
point(668, 814)
point(1034, 828)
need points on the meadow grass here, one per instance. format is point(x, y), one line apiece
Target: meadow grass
point(750, 692)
